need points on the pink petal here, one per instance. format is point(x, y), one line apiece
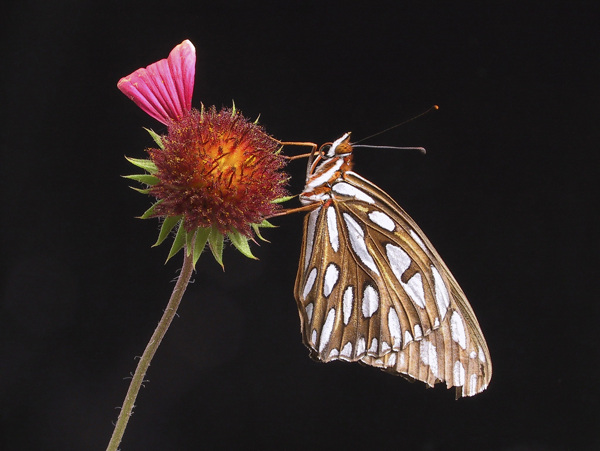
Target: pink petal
point(164, 89)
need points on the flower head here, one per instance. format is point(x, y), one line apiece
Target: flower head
point(219, 169)
point(215, 173)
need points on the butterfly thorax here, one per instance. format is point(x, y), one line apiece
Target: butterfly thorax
point(333, 162)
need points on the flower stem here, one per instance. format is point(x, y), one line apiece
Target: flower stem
point(151, 347)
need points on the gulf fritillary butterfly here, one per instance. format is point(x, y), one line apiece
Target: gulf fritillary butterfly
point(371, 288)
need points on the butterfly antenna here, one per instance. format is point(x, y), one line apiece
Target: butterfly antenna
point(433, 108)
point(420, 149)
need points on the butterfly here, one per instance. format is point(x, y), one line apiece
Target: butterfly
point(371, 287)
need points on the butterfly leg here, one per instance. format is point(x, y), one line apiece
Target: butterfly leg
point(288, 211)
point(299, 144)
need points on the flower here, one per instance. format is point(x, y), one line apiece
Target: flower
point(164, 89)
point(215, 173)
point(219, 169)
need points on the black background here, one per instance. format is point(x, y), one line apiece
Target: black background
point(506, 193)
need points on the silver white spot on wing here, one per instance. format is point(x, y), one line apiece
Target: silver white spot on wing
point(385, 347)
point(332, 228)
point(414, 289)
point(418, 332)
point(473, 384)
point(394, 327)
point(373, 348)
point(442, 299)
point(309, 312)
point(310, 281)
point(361, 346)
point(357, 241)
point(334, 353)
point(370, 301)
point(347, 303)
point(345, 189)
point(399, 262)
point(310, 235)
point(429, 356)
point(481, 355)
point(313, 338)
point(332, 274)
point(382, 220)
point(457, 330)
point(392, 360)
point(346, 350)
point(459, 374)
point(327, 328)
point(418, 240)
point(407, 337)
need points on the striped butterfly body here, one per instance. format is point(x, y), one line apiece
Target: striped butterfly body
point(371, 288)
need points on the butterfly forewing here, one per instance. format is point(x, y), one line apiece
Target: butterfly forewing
point(371, 288)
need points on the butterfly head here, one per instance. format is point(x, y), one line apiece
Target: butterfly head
point(339, 148)
point(336, 153)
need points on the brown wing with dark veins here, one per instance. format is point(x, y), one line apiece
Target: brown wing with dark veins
point(371, 288)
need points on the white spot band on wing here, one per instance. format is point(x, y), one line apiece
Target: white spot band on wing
point(327, 328)
point(382, 220)
point(418, 241)
point(429, 356)
point(334, 238)
point(345, 189)
point(310, 281)
point(442, 298)
point(370, 301)
point(394, 327)
point(310, 235)
point(332, 274)
point(347, 303)
point(346, 350)
point(309, 312)
point(457, 330)
point(459, 374)
point(400, 262)
point(357, 241)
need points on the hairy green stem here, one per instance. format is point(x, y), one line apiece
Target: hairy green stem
point(144, 363)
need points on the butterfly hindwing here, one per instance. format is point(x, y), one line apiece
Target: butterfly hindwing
point(371, 288)
point(452, 346)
